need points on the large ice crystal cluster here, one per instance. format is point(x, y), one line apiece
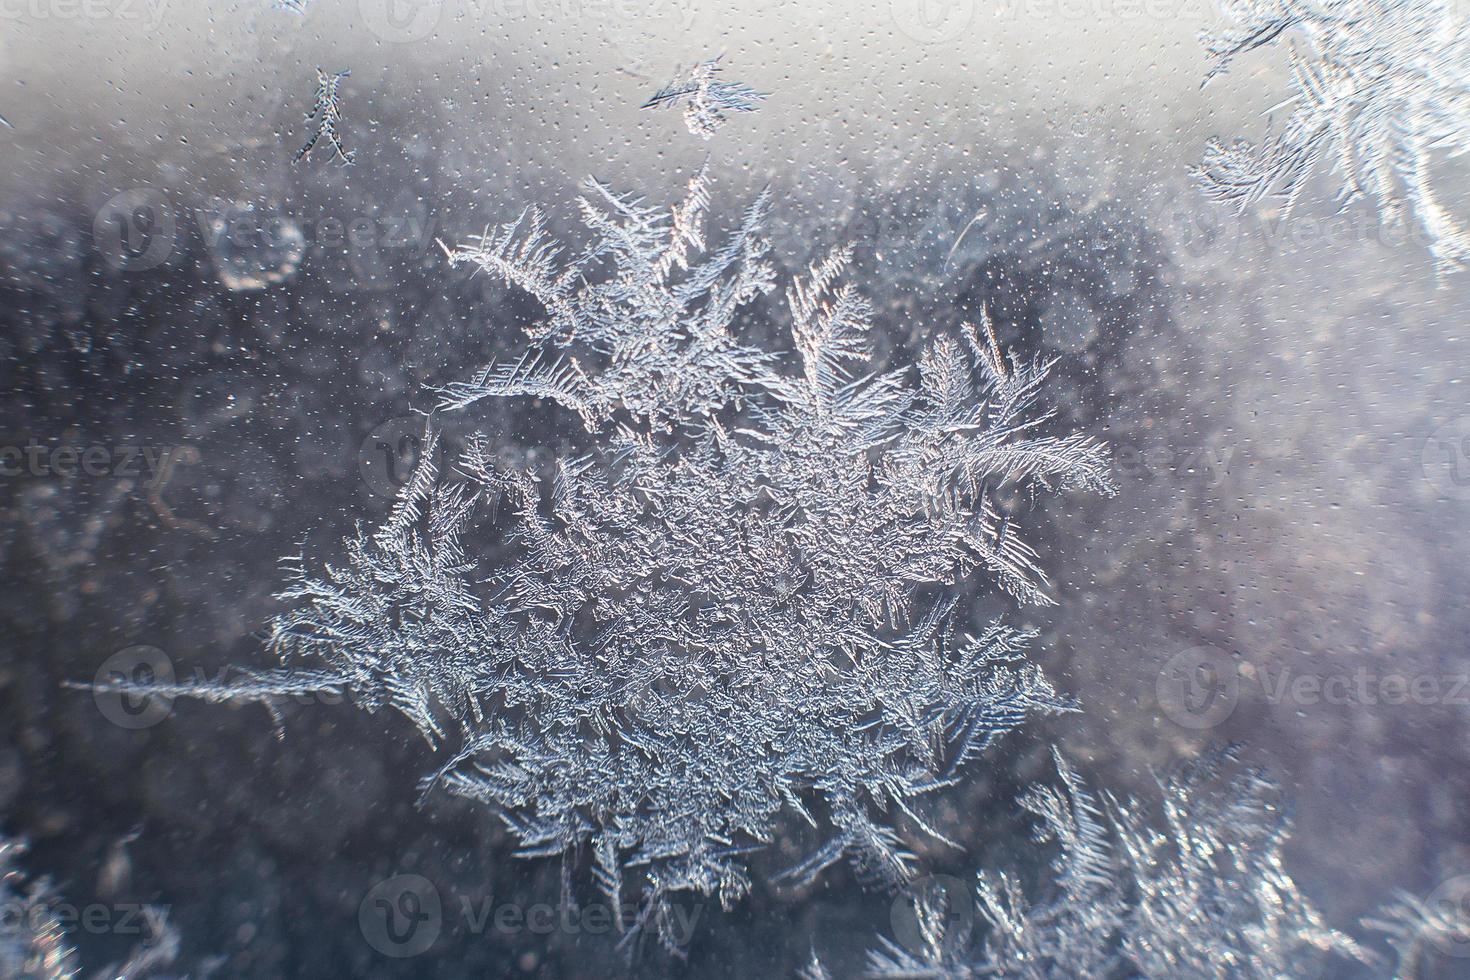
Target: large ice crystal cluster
point(739, 606)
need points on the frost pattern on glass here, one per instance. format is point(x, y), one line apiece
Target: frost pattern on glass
point(1422, 931)
point(1380, 85)
point(738, 606)
point(325, 114)
point(707, 101)
point(33, 937)
point(1195, 889)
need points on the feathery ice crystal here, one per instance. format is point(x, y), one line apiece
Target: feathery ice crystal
point(1197, 889)
point(706, 101)
point(1422, 931)
point(739, 606)
point(1379, 84)
point(33, 937)
point(326, 110)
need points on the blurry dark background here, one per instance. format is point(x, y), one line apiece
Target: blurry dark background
point(1283, 399)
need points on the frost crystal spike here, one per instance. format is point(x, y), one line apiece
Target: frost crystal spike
point(1193, 887)
point(326, 112)
point(34, 944)
point(1379, 85)
point(706, 100)
point(1422, 931)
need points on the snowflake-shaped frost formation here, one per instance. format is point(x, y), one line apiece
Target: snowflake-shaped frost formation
point(325, 115)
point(1196, 890)
point(706, 100)
point(1380, 85)
point(739, 606)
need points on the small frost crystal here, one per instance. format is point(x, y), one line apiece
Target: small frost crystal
point(1422, 931)
point(706, 99)
point(1196, 889)
point(33, 938)
point(1379, 84)
point(738, 606)
point(326, 110)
